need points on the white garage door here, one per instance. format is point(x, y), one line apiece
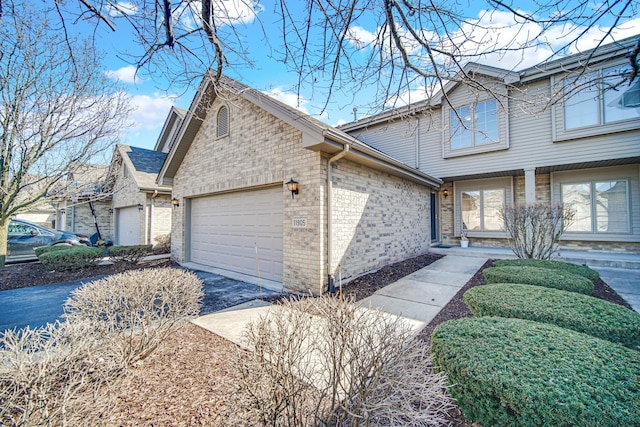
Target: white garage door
point(226, 228)
point(128, 226)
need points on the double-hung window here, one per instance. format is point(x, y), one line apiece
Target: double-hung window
point(474, 125)
point(601, 206)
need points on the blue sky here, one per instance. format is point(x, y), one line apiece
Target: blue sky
point(152, 101)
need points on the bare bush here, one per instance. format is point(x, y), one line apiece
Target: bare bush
point(324, 361)
point(54, 375)
point(535, 229)
point(132, 254)
point(136, 310)
point(163, 244)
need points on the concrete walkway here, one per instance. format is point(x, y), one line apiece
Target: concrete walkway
point(626, 282)
point(620, 271)
point(417, 298)
point(421, 295)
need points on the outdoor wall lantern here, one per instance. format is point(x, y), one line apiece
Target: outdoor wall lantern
point(293, 187)
point(445, 193)
point(110, 211)
point(175, 202)
point(140, 207)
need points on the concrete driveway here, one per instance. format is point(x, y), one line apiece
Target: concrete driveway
point(38, 305)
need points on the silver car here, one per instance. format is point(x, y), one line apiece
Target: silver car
point(24, 236)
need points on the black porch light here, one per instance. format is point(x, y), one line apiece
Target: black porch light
point(293, 186)
point(175, 202)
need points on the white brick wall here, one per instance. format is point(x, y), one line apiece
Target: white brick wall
point(260, 150)
point(378, 218)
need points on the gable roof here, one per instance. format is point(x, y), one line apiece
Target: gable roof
point(143, 166)
point(316, 135)
point(169, 129)
point(618, 49)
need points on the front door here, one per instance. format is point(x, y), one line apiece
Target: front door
point(434, 217)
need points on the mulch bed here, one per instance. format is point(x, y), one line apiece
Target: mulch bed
point(32, 274)
point(22, 275)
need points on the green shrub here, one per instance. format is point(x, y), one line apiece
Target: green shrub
point(581, 270)
point(73, 258)
point(131, 253)
point(44, 249)
point(580, 313)
point(538, 276)
point(522, 373)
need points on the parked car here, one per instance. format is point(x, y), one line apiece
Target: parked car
point(24, 236)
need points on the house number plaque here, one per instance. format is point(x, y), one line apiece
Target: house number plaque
point(299, 222)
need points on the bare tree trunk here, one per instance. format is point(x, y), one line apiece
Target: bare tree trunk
point(4, 234)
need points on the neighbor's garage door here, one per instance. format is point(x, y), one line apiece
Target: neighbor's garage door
point(225, 230)
point(128, 226)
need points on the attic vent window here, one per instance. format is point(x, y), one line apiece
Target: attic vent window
point(222, 122)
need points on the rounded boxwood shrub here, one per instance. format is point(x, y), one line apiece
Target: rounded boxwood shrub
point(569, 310)
point(72, 258)
point(539, 276)
point(522, 373)
point(44, 249)
point(581, 270)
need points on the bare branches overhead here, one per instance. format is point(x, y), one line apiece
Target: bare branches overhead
point(56, 114)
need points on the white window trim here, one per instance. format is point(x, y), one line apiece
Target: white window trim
point(630, 173)
point(559, 133)
point(503, 130)
point(504, 183)
point(593, 213)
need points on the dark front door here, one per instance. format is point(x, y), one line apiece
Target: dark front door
point(434, 216)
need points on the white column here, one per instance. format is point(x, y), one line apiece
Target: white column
point(530, 185)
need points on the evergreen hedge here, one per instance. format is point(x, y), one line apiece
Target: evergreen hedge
point(512, 372)
point(581, 270)
point(539, 276)
point(44, 249)
point(129, 253)
point(72, 258)
point(581, 313)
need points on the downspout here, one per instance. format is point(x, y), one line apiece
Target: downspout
point(341, 154)
point(150, 217)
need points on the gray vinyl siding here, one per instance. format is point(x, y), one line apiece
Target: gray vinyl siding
point(530, 138)
point(397, 139)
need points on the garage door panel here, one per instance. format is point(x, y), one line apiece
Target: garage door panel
point(128, 226)
point(225, 230)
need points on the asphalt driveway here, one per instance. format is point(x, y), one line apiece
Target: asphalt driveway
point(38, 305)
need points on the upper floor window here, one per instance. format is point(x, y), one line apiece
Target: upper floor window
point(222, 122)
point(599, 98)
point(474, 125)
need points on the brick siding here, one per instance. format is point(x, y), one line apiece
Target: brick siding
point(378, 218)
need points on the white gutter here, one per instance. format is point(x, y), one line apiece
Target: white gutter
point(341, 154)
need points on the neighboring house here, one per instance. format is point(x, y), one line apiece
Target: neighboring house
point(43, 214)
point(141, 208)
point(357, 209)
point(582, 150)
point(86, 188)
